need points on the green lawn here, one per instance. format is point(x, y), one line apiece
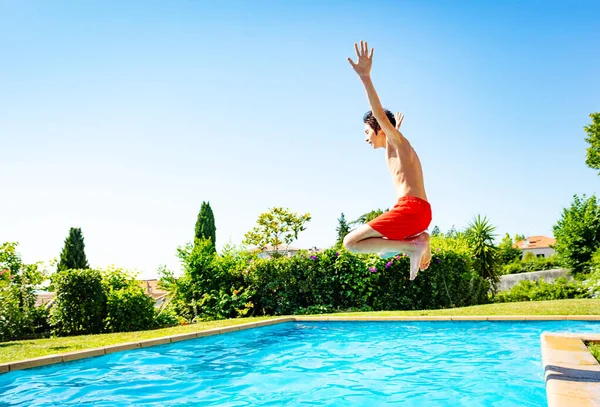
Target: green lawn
point(19, 350)
point(595, 349)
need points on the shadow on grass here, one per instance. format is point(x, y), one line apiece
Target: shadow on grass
point(59, 347)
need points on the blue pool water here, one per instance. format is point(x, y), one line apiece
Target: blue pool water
point(315, 364)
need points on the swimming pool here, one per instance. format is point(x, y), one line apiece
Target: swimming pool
point(312, 363)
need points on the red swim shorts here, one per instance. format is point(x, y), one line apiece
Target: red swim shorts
point(409, 217)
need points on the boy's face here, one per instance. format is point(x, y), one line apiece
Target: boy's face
point(375, 140)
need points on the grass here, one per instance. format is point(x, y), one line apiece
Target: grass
point(594, 347)
point(556, 307)
point(20, 350)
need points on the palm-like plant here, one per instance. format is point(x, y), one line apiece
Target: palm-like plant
point(367, 217)
point(480, 235)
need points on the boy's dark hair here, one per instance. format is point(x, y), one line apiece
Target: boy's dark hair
point(371, 121)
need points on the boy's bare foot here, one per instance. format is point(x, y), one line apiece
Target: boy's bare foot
point(425, 258)
point(420, 250)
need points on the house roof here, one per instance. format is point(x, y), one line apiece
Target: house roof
point(151, 288)
point(43, 298)
point(535, 242)
point(281, 248)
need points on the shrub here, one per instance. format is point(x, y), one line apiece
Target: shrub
point(578, 233)
point(166, 316)
point(212, 286)
point(18, 315)
point(80, 306)
point(128, 307)
point(536, 264)
point(236, 284)
point(528, 290)
point(342, 280)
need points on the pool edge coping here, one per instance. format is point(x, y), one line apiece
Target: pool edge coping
point(105, 350)
point(571, 372)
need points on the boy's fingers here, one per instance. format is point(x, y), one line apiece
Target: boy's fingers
point(351, 62)
point(356, 49)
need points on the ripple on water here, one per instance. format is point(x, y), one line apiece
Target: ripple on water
point(319, 364)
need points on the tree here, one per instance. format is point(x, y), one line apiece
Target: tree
point(451, 232)
point(519, 237)
point(73, 253)
point(592, 159)
point(436, 231)
point(342, 230)
point(277, 227)
point(205, 224)
point(367, 217)
point(577, 233)
point(480, 235)
point(507, 253)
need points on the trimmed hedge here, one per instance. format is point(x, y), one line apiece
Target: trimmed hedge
point(318, 283)
point(337, 280)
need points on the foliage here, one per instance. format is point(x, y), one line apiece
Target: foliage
point(342, 280)
point(93, 301)
point(529, 257)
point(536, 264)
point(507, 253)
point(367, 217)
point(211, 286)
point(167, 316)
point(236, 283)
point(277, 227)
point(18, 315)
point(436, 231)
point(592, 159)
point(342, 230)
point(205, 224)
point(528, 290)
point(80, 305)
point(459, 243)
point(128, 307)
point(578, 233)
point(480, 235)
point(73, 253)
point(592, 280)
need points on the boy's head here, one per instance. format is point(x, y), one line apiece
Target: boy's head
point(375, 136)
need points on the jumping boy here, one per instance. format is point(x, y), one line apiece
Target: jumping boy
point(401, 229)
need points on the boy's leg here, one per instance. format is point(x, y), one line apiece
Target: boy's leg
point(367, 240)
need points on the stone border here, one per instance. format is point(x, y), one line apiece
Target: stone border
point(67, 357)
point(572, 373)
point(453, 318)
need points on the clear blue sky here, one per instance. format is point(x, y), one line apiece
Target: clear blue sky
point(121, 117)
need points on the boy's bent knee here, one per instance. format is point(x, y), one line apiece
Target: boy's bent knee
point(350, 242)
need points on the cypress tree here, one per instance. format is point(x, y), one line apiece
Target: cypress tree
point(73, 253)
point(205, 224)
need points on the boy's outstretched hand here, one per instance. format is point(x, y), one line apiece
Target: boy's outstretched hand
point(399, 118)
point(363, 66)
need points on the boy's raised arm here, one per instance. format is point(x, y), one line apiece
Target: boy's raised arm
point(363, 68)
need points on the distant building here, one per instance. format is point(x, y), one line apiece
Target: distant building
point(283, 250)
point(541, 246)
point(269, 251)
point(44, 298)
point(151, 288)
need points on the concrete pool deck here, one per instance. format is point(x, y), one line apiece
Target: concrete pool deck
point(572, 373)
